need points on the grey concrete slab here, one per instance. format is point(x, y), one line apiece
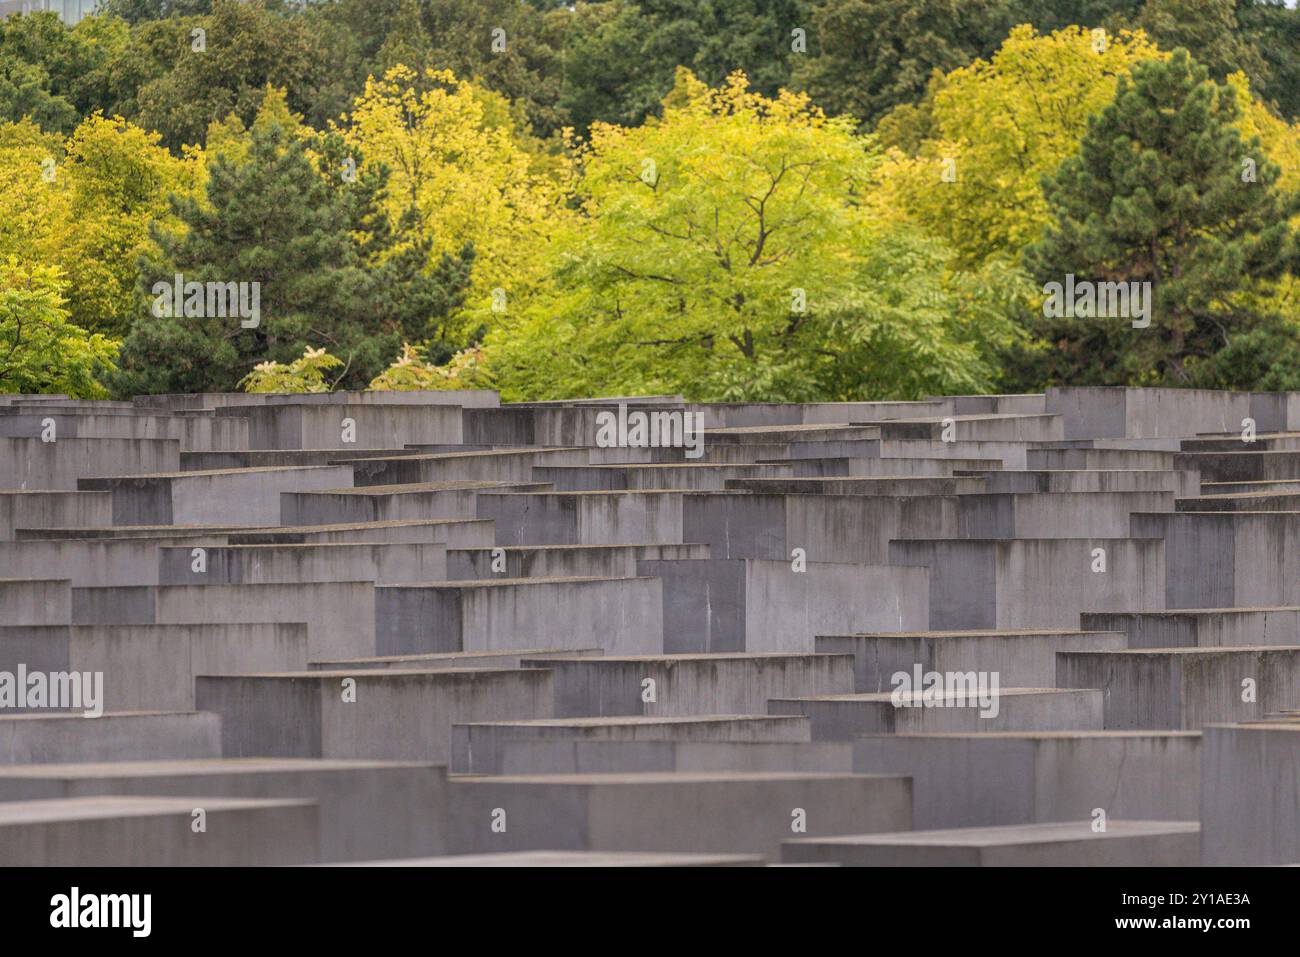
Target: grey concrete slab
point(153, 666)
point(247, 496)
point(623, 615)
point(366, 715)
point(478, 748)
point(1250, 794)
point(1020, 777)
point(843, 717)
point(1035, 583)
point(574, 859)
point(61, 464)
point(47, 737)
point(366, 809)
point(382, 563)
point(722, 605)
point(157, 832)
point(1185, 687)
point(690, 684)
point(33, 510)
point(561, 561)
point(389, 503)
point(1025, 659)
point(1200, 627)
point(1069, 844)
point(710, 812)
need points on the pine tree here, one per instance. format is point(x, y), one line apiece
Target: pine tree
point(331, 272)
point(1163, 191)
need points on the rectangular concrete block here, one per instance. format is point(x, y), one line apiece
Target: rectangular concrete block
point(1073, 844)
point(690, 684)
point(1017, 777)
point(366, 715)
point(48, 737)
point(722, 605)
point(843, 717)
point(1250, 795)
point(479, 748)
point(1185, 687)
point(366, 809)
point(725, 813)
point(1023, 659)
point(1022, 584)
point(623, 615)
point(157, 832)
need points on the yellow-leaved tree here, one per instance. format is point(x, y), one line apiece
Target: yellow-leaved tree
point(1004, 123)
point(458, 159)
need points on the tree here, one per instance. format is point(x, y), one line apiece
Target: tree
point(1164, 191)
point(1210, 28)
point(1004, 123)
point(460, 166)
point(621, 58)
point(245, 48)
point(317, 257)
point(118, 178)
point(53, 73)
point(40, 349)
point(723, 253)
point(873, 55)
point(1274, 30)
point(507, 46)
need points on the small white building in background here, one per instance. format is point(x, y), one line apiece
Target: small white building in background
point(69, 10)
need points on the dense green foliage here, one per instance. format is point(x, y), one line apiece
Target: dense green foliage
point(736, 199)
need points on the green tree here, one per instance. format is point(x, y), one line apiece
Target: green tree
point(621, 57)
point(1274, 30)
point(331, 272)
point(245, 48)
point(873, 55)
point(53, 73)
point(1210, 28)
point(722, 253)
point(1163, 191)
point(41, 350)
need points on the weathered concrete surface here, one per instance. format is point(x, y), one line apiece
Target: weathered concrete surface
point(722, 605)
point(46, 737)
point(623, 615)
point(391, 503)
point(725, 813)
point(366, 715)
point(1072, 844)
point(35, 601)
point(1200, 627)
point(157, 832)
point(1017, 777)
point(1185, 687)
point(574, 859)
point(34, 464)
point(1035, 583)
point(384, 564)
point(365, 807)
point(843, 717)
point(153, 666)
point(247, 496)
point(478, 748)
point(1250, 794)
point(690, 684)
point(561, 561)
point(1025, 659)
point(51, 510)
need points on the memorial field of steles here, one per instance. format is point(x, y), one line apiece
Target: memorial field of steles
point(432, 628)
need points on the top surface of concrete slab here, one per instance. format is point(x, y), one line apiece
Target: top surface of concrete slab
point(1014, 834)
